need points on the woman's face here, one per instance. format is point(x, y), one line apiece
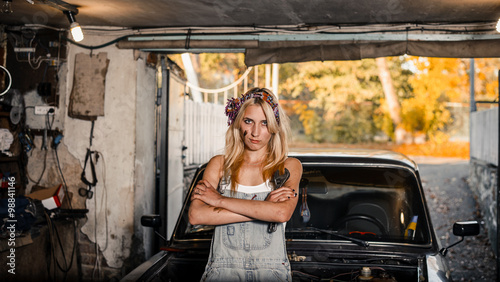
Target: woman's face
point(254, 129)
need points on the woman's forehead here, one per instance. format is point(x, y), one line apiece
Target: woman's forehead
point(255, 112)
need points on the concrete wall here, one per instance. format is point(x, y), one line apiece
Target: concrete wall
point(483, 174)
point(111, 211)
point(175, 183)
point(483, 180)
point(125, 140)
point(145, 175)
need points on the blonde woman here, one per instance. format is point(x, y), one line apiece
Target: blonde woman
point(238, 194)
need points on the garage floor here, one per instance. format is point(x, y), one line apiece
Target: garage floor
point(450, 199)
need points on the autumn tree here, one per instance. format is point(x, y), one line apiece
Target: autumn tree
point(347, 101)
point(215, 70)
point(486, 82)
point(337, 98)
point(434, 82)
point(393, 104)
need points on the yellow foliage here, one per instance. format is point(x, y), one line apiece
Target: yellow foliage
point(383, 119)
point(486, 83)
point(306, 116)
point(436, 81)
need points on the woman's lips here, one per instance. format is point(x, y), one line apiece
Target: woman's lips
point(254, 141)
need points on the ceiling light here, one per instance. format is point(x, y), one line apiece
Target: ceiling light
point(498, 25)
point(75, 28)
point(7, 6)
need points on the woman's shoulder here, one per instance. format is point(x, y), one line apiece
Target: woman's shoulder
point(217, 159)
point(293, 163)
point(213, 172)
point(292, 160)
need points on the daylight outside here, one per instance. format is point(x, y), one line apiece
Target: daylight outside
point(413, 105)
point(417, 106)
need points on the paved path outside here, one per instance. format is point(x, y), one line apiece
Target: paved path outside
point(450, 199)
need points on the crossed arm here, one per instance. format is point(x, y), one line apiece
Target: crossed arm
point(211, 208)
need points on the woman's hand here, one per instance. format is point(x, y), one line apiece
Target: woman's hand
point(281, 194)
point(205, 192)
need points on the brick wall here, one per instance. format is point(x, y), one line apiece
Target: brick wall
point(87, 262)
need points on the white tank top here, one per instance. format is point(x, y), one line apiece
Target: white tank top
point(264, 187)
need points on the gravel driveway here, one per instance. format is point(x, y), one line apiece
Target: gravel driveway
point(449, 198)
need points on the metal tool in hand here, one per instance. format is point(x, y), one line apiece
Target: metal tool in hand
point(279, 180)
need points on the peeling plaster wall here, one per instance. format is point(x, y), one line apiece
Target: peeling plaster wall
point(70, 165)
point(32, 99)
point(125, 140)
point(145, 174)
point(114, 139)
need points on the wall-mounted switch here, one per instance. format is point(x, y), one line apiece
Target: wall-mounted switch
point(43, 110)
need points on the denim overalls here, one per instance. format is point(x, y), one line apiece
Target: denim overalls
point(246, 251)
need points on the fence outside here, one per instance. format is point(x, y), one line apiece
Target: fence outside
point(232, 90)
point(483, 171)
point(204, 132)
point(206, 123)
point(484, 136)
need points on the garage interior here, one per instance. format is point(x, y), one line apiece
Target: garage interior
point(98, 120)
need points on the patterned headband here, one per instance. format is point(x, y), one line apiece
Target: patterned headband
point(234, 104)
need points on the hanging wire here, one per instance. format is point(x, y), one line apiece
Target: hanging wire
point(7, 73)
point(104, 202)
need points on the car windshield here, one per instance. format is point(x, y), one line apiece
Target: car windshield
point(382, 204)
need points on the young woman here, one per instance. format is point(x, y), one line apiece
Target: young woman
point(237, 193)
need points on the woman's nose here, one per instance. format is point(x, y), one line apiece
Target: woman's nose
point(255, 130)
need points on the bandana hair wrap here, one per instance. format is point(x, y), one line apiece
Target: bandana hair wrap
point(234, 104)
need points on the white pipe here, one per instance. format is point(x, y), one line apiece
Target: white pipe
point(275, 79)
point(191, 77)
point(225, 88)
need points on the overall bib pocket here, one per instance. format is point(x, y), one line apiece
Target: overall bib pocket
point(246, 236)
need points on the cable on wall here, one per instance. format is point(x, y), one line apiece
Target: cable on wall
point(7, 73)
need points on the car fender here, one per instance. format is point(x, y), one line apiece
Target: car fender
point(437, 269)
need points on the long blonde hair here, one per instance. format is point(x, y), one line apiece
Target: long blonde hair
point(277, 148)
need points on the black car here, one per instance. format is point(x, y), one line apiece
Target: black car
point(361, 216)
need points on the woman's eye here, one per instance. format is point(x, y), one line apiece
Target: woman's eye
point(264, 122)
point(248, 121)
